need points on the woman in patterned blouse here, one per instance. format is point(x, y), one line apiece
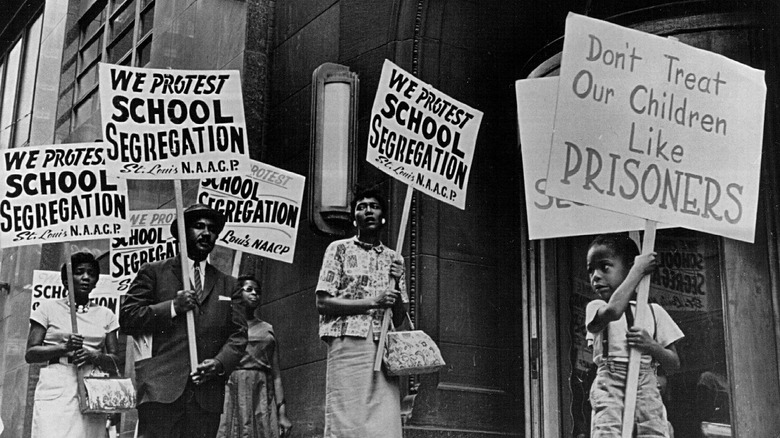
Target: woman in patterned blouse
point(359, 279)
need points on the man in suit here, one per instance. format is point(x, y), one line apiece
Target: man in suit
point(172, 402)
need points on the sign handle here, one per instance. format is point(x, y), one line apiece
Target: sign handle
point(398, 246)
point(74, 328)
point(71, 289)
point(185, 272)
point(642, 314)
point(237, 263)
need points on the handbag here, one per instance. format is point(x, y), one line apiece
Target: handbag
point(411, 352)
point(104, 394)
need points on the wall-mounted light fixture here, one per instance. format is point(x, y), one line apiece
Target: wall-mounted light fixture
point(333, 160)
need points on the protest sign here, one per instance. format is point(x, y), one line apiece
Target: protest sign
point(549, 217)
point(421, 136)
point(47, 285)
point(59, 193)
point(149, 240)
point(262, 209)
point(173, 124)
point(651, 127)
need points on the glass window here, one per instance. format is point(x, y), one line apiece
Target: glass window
point(123, 19)
point(10, 84)
point(86, 108)
point(94, 25)
point(27, 86)
point(144, 53)
point(121, 43)
point(88, 80)
point(91, 51)
point(147, 21)
point(687, 285)
point(120, 46)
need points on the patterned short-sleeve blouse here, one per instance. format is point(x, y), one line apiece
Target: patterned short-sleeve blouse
point(354, 270)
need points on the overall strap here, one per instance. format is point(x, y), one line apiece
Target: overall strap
point(630, 322)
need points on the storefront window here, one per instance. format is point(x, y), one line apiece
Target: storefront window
point(687, 284)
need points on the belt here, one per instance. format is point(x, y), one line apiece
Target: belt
point(62, 359)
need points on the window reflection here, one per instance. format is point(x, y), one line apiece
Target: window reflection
point(687, 284)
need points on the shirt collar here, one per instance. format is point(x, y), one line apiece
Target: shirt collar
point(367, 246)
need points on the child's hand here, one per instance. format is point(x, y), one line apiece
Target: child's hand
point(641, 340)
point(645, 263)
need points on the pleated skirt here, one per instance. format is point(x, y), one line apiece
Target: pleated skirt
point(250, 406)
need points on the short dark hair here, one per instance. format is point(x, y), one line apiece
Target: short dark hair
point(244, 278)
point(365, 194)
point(77, 259)
point(622, 245)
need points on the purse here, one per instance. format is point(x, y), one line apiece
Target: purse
point(104, 394)
point(411, 352)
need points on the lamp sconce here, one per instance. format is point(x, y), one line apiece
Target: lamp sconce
point(5, 287)
point(333, 160)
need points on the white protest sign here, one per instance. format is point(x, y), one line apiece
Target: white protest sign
point(173, 124)
point(149, 240)
point(47, 285)
point(262, 209)
point(421, 136)
point(549, 217)
point(652, 127)
point(59, 193)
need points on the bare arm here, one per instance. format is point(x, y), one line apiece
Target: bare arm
point(642, 341)
point(106, 361)
point(284, 423)
point(333, 306)
point(618, 303)
point(37, 352)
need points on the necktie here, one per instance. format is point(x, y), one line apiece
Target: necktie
point(198, 285)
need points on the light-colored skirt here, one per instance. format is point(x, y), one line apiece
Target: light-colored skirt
point(56, 412)
point(359, 402)
point(250, 406)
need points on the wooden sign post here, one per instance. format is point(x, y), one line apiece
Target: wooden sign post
point(642, 316)
point(220, 110)
point(399, 243)
point(440, 166)
point(185, 272)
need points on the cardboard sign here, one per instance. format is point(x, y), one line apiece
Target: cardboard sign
point(149, 240)
point(652, 127)
point(263, 210)
point(59, 193)
point(421, 136)
point(47, 285)
point(173, 124)
point(549, 217)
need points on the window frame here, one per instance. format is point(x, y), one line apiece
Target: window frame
point(111, 10)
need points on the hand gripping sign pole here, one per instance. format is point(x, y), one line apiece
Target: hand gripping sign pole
point(185, 272)
point(642, 315)
point(398, 246)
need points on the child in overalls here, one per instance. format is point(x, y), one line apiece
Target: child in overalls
point(615, 269)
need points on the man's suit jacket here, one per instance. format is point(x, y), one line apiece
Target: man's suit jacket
point(220, 328)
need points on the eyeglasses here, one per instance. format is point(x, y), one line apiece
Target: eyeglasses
point(250, 289)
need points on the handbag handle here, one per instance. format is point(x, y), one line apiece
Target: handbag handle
point(116, 367)
point(408, 317)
